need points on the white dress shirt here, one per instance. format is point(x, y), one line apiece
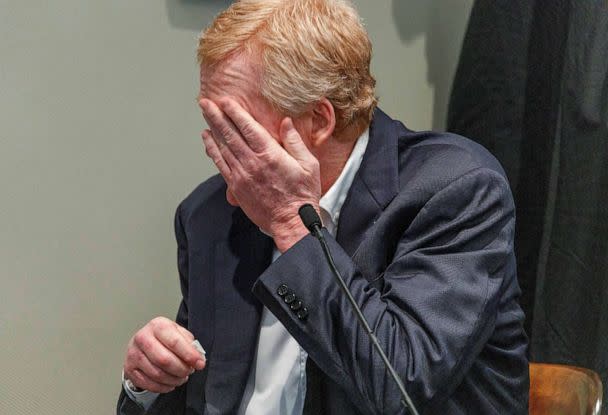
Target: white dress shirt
point(277, 379)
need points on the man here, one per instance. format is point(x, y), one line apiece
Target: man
point(420, 226)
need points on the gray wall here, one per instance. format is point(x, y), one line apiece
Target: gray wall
point(99, 141)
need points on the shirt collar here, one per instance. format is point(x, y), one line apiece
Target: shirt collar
point(332, 201)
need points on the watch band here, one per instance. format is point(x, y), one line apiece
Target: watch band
point(129, 384)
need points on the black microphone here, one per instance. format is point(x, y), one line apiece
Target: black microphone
point(312, 221)
point(310, 218)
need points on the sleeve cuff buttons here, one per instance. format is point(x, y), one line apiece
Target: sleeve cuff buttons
point(295, 304)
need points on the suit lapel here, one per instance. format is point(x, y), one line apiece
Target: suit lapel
point(375, 184)
point(238, 261)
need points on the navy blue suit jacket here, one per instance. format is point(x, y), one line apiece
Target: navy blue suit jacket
point(425, 243)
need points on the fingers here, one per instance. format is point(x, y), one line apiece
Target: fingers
point(187, 335)
point(227, 135)
point(212, 150)
point(160, 356)
point(255, 135)
point(141, 380)
point(152, 373)
point(177, 344)
point(214, 153)
point(292, 142)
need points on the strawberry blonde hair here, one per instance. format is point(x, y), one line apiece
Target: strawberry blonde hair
point(306, 50)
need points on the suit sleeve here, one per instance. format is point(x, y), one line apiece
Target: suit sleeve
point(172, 402)
point(432, 311)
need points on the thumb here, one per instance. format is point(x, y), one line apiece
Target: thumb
point(292, 142)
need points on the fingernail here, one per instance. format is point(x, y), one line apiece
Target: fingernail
point(200, 364)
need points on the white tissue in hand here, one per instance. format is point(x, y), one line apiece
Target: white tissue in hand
point(199, 348)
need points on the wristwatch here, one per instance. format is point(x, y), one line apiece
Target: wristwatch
point(128, 384)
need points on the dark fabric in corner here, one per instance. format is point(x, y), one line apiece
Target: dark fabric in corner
point(532, 86)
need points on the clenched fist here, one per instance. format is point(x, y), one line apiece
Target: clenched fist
point(160, 356)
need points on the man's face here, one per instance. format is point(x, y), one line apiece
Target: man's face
point(237, 78)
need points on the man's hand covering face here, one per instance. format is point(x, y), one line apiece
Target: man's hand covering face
point(269, 182)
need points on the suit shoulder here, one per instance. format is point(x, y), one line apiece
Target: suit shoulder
point(455, 152)
point(431, 152)
point(210, 193)
point(442, 158)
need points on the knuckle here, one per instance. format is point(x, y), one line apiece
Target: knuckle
point(163, 360)
point(172, 343)
point(247, 130)
point(269, 160)
point(236, 182)
point(158, 321)
point(227, 133)
point(141, 340)
point(227, 104)
point(252, 166)
point(249, 178)
point(185, 332)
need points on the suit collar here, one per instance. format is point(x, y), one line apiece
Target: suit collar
point(374, 186)
point(379, 169)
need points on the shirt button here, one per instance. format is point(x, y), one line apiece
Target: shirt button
point(290, 298)
point(296, 305)
point(302, 313)
point(282, 290)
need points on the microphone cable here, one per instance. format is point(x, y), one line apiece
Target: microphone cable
point(312, 221)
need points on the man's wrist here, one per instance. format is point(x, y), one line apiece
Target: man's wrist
point(287, 234)
point(285, 242)
point(127, 383)
point(143, 398)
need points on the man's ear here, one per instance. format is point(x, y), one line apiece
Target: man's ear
point(323, 122)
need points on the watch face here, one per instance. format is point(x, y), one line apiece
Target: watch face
point(131, 386)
